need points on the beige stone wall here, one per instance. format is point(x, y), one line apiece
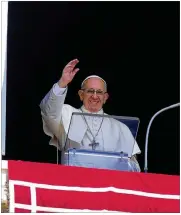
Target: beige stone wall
point(4, 187)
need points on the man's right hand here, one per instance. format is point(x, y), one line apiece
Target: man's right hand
point(68, 73)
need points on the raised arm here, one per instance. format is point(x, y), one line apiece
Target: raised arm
point(52, 104)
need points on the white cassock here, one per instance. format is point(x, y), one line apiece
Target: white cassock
point(112, 136)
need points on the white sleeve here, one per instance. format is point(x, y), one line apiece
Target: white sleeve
point(136, 149)
point(58, 91)
point(128, 142)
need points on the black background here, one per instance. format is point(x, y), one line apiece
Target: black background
point(134, 46)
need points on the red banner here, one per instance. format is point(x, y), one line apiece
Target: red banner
point(39, 187)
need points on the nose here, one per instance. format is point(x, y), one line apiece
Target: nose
point(94, 95)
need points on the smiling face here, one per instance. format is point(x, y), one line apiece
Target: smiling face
point(93, 94)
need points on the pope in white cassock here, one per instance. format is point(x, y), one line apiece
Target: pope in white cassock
point(108, 133)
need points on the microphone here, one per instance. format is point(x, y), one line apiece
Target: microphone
point(148, 129)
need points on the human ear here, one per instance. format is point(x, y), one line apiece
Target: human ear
point(81, 96)
point(106, 96)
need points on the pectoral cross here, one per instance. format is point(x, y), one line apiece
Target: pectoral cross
point(94, 144)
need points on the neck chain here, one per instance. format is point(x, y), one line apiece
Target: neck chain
point(94, 143)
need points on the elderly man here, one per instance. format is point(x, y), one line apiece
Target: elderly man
point(110, 134)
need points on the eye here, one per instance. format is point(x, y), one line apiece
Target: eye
point(91, 91)
point(100, 92)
